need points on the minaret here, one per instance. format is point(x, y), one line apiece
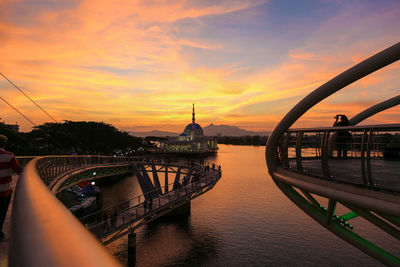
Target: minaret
point(193, 119)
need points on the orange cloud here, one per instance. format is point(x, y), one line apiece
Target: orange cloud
point(122, 62)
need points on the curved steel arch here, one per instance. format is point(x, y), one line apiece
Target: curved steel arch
point(368, 66)
point(389, 103)
point(308, 204)
point(40, 223)
point(365, 114)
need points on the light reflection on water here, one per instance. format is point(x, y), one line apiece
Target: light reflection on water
point(244, 220)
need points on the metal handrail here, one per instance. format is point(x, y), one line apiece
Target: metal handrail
point(364, 145)
point(149, 194)
point(40, 223)
point(50, 223)
point(127, 213)
point(388, 103)
point(288, 183)
point(51, 167)
point(378, 127)
point(366, 67)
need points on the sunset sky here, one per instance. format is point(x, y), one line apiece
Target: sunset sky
point(140, 65)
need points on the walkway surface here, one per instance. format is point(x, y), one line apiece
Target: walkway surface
point(6, 229)
point(384, 173)
point(130, 215)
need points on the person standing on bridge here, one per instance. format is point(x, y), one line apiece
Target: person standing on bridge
point(342, 137)
point(8, 163)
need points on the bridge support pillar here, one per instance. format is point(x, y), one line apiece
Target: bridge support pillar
point(181, 211)
point(131, 249)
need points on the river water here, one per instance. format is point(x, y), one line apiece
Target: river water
point(245, 220)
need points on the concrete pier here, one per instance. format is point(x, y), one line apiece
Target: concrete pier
point(181, 211)
point(132, 249)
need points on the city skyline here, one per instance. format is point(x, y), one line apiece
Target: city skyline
point(139, 65)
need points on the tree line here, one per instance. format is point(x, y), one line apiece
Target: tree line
point(69, 137)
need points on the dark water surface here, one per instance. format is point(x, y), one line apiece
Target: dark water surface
point(243, 221)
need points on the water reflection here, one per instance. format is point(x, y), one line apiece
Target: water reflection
point(244, 220)
point(182, 244)
point(170, 242)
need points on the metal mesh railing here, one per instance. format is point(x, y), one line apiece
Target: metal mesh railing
point(364, 155)
point(51, 167)
point(127, 212)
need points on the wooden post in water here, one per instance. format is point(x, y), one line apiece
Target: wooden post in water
point(131, 249)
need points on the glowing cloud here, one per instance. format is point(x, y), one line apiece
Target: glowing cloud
point(140, 64)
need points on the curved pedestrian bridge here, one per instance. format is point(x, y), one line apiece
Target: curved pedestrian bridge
point(190, 181)
point(337, 174)
point(371, 161)
point(40, 222)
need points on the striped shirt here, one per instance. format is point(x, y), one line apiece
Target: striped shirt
point(8, 163)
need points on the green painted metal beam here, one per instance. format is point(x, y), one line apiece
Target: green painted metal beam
point(349, 216)
point(337, 228)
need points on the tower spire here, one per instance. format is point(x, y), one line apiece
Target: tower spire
point(193, 118)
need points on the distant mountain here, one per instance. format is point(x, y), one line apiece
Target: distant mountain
point(153, 133)
point(210, 130)
point(228, 130)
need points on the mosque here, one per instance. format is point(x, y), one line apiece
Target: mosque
point(191, 141)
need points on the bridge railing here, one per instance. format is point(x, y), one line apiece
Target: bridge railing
point(363, 155)
point(139, 207)
point(50, 167)
point(40, 223)
point(45, 233)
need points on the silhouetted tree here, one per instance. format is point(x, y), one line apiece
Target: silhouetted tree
point(71, 137)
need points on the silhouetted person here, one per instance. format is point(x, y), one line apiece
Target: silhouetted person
point(8, 163)
point(185, 180)
point(342, 137)
point(145, 205)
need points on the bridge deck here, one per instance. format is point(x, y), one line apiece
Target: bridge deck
point(140, 212)
point(384, 173)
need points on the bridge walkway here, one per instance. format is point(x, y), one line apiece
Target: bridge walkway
point(301, 162)
point(112, 223)
point(384, 173)
point(45, 176)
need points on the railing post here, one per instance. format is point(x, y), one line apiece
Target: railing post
point(324, 155)
point(298, 151)
point(369, 145)
point(363, 173)
point(331, 210)
point(285, 152)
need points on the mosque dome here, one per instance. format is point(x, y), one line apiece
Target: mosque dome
point(193, 129)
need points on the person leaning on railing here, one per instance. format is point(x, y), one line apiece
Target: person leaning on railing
point(8, 163)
